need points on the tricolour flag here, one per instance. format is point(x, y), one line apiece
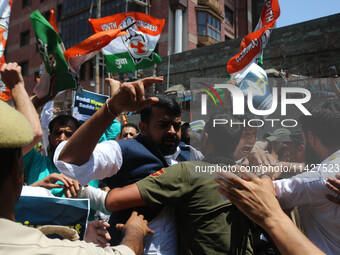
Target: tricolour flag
point(52, 57)
point(134, 50)
point(5, 12)
point(78, 54)
point(253, 44)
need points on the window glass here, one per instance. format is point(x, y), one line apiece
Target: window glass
point(202, 18)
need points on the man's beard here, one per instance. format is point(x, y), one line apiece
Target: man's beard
point(169, 149)
point(311, 157)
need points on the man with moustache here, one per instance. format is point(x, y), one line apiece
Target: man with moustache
point(129, 131)
point(320, 218)
point(126, 161)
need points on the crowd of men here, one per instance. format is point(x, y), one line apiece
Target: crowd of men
point(157, 184)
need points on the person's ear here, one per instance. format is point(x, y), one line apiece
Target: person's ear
point(301, 148)
point(143, 127)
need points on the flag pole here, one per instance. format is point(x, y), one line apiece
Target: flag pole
point(168, 76)
point(96, 88)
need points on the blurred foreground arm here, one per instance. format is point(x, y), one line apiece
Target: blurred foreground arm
point(256, 198)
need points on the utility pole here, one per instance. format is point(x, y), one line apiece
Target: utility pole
point(99, 4)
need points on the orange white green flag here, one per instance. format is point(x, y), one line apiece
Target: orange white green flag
point(85, 50)
point(5, 12)
point(253, 44)
point(64, 64)
point(134, 50)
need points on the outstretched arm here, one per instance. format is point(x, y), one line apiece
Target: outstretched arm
point(11, 76)
point(126, 97)
point(121, 198)
point(256, 198)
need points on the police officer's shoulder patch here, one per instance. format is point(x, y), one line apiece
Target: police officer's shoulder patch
point(158, 173)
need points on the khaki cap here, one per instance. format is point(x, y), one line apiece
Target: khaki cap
point(15, 130)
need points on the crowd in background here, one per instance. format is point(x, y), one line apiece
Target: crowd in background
point(145, 176)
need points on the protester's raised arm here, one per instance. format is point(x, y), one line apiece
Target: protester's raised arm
point(11, 76)
point(126, 97)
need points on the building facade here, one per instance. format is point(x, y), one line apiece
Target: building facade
point(189, 24)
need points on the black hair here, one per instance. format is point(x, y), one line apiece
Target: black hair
point(223, 137)
point(165, 102)
point(7, 157)
point(324, 123)
point(63, 120)
point(130, 125)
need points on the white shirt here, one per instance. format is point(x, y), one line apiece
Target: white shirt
point(320, 218)
point(106, 160)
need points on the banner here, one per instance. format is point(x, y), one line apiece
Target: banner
point(86, 104)
point(253, 44)
point(5, 12)
point(134, 50)
point(35, 211)
point(52, 57)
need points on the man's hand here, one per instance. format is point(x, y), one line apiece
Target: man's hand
point(113, 85)
point(255, 197)
point(11, 75)
point(135, 229)
point(72, 190)
point(334, 185)
point(49, 182)
point(130, 96)
point(96, 233)
point(259, 157)
point(135, 223)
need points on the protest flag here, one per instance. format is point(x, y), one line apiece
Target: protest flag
point(253, 44)
point(134, 50)
point(52, 57)
point(5, 12)
point(250, 77)
point(78, 54)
